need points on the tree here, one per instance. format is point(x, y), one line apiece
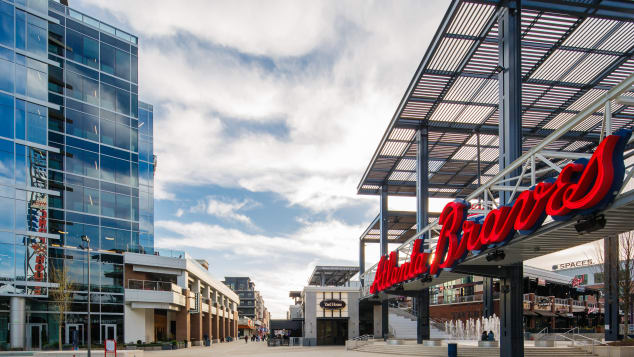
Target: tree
point(61, 295)
point(625, 273)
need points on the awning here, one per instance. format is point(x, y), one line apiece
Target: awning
point(546, 314)
point(530, 313)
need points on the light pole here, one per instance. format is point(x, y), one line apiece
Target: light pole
point(86, 240)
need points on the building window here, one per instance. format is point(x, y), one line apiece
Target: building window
point(598, 278)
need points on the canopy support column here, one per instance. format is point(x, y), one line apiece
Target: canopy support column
point(383, 213)
point(611, 271)
point(422, 220)
point(512, 311)
point(510, 135)
point(361, 260)
point(487, 297)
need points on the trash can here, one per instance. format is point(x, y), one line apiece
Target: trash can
point(452, 350)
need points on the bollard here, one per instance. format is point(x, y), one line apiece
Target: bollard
point(452, 350)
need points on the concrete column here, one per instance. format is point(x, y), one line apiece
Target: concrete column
point(222, 328)
point(235, 324)
point(183, 322)
point(227, 324)
point(207, 325)
point(377, 319)
point(183, 279)
point(197, 326)
point(215, 330)
point(17, 321)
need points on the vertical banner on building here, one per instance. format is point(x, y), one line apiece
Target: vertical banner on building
point(37, 212)
point(36, 266)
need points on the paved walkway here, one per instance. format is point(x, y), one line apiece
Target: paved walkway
point(255, 349)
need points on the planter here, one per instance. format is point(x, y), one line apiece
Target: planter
point(544, 343)
point(394, 342)
point(611, 351)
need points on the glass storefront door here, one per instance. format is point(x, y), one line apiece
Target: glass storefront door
point(332, 331)
point(34, 336)
point(108, 332)
point(70, 330)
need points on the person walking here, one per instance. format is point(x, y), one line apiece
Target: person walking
point(246, 339)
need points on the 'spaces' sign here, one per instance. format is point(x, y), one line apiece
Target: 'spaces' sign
point(582, 187)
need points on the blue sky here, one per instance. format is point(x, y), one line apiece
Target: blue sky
point(266, 115)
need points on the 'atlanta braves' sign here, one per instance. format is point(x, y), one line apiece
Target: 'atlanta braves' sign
point(582, 187)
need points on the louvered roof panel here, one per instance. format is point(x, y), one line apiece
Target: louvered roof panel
point(572, 52)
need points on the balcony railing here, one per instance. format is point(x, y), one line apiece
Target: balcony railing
point(153, 285)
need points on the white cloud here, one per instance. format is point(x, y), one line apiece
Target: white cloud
point(277, 263)
point(334, 102)
point(179, 212)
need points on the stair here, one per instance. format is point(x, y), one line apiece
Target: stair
point(403, 326)
point(467, 351)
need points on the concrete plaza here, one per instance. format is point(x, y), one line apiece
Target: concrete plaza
point(239, 348)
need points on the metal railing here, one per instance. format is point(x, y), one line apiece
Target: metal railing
point(553, 162)
point(573, 335)
point(541, 334)
point(153, 285)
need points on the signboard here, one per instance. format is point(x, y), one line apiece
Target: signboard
point(110, 346)
point(578, 280)
point(332, 304)
point(574, 264)
point(582, 187)
point(541, 282)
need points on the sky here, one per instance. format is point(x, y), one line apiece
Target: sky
point(266, 115)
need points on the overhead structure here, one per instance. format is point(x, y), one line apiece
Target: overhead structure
point(572, 53)
point(551, 79)
point(325, 275)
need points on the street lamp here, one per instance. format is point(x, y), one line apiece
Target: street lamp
point(86, 240)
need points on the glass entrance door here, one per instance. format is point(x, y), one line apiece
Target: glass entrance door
point(70, 330)
point(108, 332)
point(34, 336)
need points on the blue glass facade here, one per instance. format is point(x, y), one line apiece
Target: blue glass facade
point(76, 160)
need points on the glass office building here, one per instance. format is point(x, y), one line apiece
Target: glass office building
point(76, 161)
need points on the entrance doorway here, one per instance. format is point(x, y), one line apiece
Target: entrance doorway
point(70, 330)
point(332, 331)
point(34, 334)
point(108, 332)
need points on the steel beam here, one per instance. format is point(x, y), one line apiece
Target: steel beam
point(361, 260)
point(611, 287)
point(422, 316)
point(487, 297)
point(510, 90)
point(383, 213)
point(510, 133)
point(512, 312)
point(422, 220)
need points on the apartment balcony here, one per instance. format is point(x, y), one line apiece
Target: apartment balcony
point(147, 294)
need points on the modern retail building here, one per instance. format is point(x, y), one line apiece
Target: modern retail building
point(326, 311)
point(77, 168)
point(254, 316)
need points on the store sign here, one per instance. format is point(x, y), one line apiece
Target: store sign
point(575, 264)
point(579, 280)
point(332, 304)
point(582, 187)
